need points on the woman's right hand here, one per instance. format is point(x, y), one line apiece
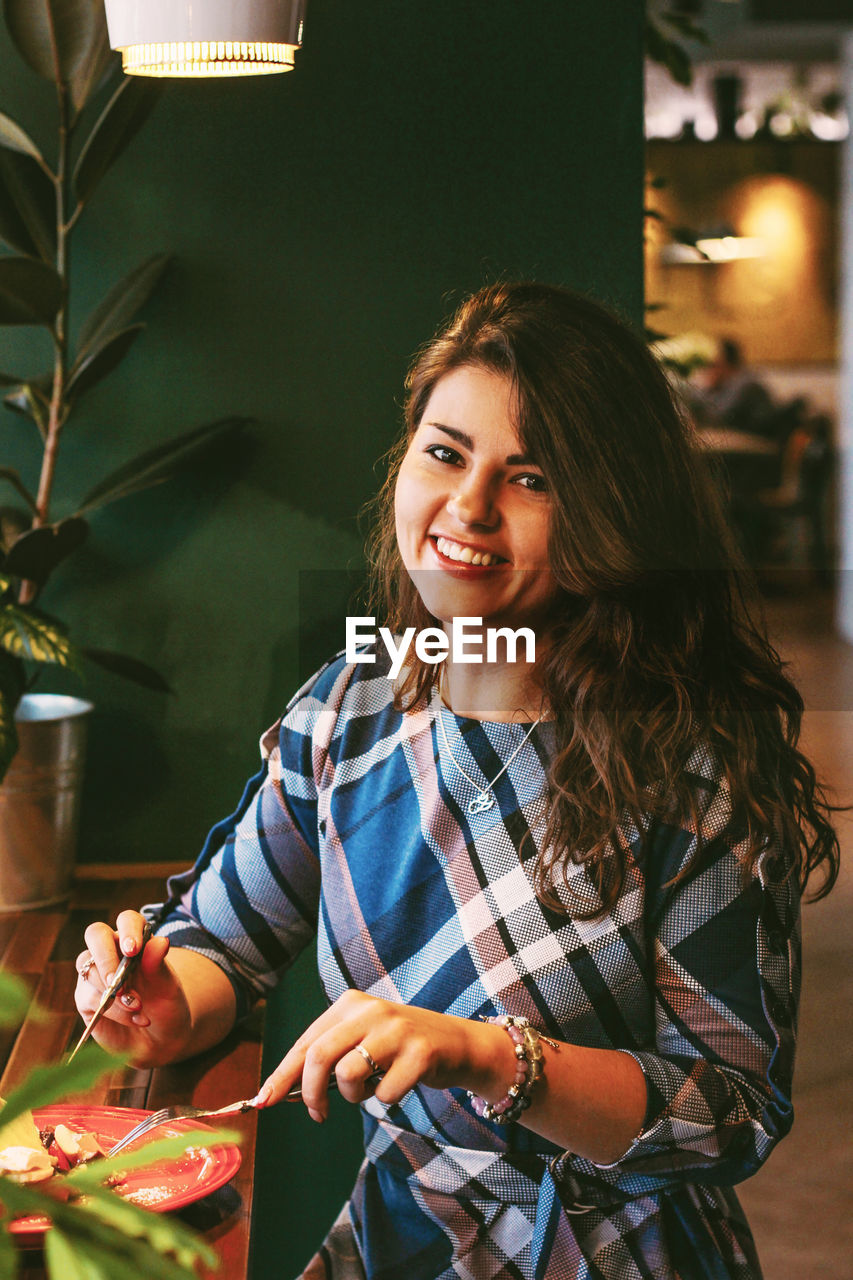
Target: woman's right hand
point(149, 1019)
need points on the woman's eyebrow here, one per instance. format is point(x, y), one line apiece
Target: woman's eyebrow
point(514, 459)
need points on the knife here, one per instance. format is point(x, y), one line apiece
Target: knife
point(126, 966)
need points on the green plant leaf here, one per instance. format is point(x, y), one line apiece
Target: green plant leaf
point(126, 111)
point(30, 292)
point(29, 400)
point(52, 36)
point(101, 362)
point(685, 26)
point(15, 999)
point(146, 1244)
point(46, 1084)
point(11, 687)
point(27, 634)
point(11, 476)
point(16, 139)
point(159, 464)
point(129, 668)
point(37, 552)
point(13, 229)
point(27, 206)
point(9, 1257)
point(120, 305)
point(65, 1259)
point(90, 72)
point(660, 48)
point(123, 1240)
point(90, 1177)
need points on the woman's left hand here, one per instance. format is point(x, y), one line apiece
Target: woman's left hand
point(409, 1045)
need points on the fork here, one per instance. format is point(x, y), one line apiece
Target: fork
point(165, 1114)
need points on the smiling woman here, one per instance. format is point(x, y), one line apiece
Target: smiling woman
point(556, 897)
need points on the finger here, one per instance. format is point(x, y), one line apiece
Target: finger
point(352, 1010)
point(129, 927)
point(102, 943)
point(357, 1074)
point(339, 1045)
point(151, 961)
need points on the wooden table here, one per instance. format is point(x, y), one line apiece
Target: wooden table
point(41, 947)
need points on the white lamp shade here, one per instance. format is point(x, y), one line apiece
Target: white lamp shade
point(205, 37)
point(159, 21)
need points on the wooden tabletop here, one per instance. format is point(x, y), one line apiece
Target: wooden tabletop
point(41, 947)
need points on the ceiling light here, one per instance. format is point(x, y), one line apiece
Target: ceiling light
point(205, 37)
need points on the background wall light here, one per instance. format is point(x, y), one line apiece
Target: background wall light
point(205, 37)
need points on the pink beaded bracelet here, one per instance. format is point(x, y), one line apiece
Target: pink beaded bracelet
point(529, 1067)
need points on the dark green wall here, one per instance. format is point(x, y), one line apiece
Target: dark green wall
point(322, 224)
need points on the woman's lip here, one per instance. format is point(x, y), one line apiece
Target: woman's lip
point(460, 566)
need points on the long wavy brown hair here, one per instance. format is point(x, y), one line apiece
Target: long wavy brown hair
point(652, 647)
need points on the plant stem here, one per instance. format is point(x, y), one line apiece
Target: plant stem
point(58, 409)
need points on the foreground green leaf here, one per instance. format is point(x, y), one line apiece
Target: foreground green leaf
point(15, 999)
point(52, 36)
point(9, 1257)
point(102, 361)
point(46, 1084)
point(124, 114)
point(37, 552)
point(30, 292)
point(26, 634)
point(65, 1258)
point(90, 1177)
point(155, 1247)
point(120, 305)
point(160, 463)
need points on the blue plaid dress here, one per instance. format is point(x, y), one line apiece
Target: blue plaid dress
point(357, 831)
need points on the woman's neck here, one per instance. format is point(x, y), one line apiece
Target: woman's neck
point(492, 691)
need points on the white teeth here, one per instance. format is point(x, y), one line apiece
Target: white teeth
point(463, 554)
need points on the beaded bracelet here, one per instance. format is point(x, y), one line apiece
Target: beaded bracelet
point(530, 1065)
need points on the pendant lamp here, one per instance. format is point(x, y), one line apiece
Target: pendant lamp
point(205, 37)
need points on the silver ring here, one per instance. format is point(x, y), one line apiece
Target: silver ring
point(375, 1069)
point(83, 971)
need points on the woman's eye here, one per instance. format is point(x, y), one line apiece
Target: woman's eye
point(442, 453)
point(532, 481)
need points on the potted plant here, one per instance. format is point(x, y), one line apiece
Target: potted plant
point(42, 199)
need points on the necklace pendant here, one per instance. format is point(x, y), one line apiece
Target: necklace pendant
point(481, 802)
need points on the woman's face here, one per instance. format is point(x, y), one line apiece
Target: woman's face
point(472, 512)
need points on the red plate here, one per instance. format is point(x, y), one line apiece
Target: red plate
point(161, 1186)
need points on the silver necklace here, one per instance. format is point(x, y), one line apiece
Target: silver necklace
point(484, 799)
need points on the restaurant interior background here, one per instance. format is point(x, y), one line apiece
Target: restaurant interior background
point(321, 225)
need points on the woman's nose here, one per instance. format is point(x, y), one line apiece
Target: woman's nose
point(473, 502)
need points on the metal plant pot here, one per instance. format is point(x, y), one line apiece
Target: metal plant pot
point(40, 802)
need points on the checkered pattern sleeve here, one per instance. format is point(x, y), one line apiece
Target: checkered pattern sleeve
point(250, 902)
point(726, 976)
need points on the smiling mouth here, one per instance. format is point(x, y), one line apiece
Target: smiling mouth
point(462, 553)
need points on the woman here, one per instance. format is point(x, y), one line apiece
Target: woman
point(602, 843)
